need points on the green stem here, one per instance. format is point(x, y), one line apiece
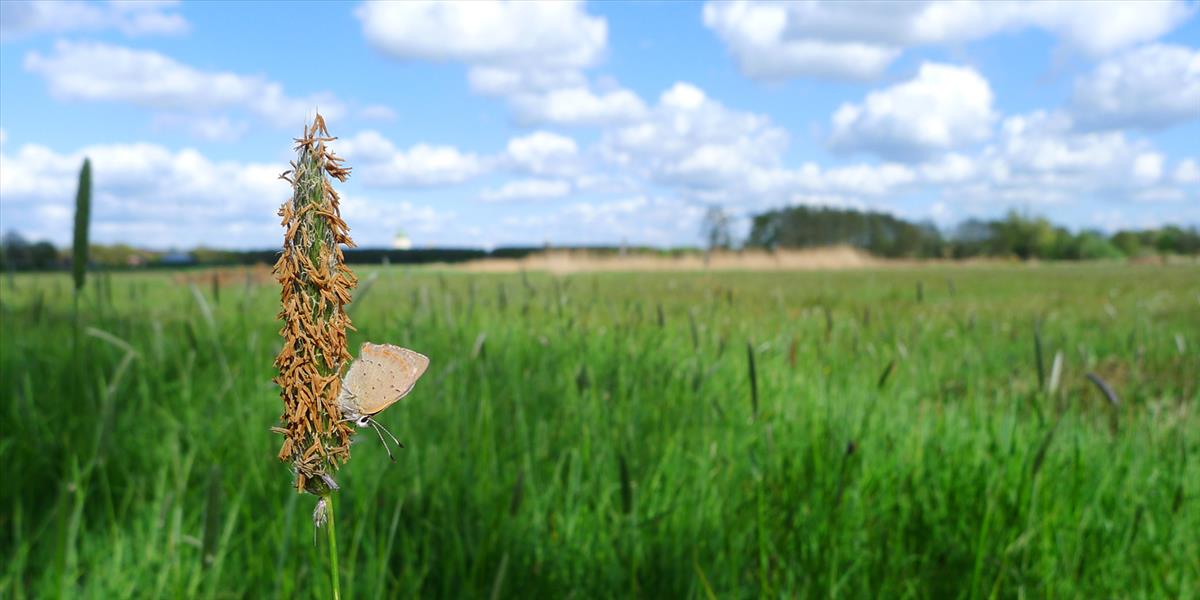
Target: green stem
point(333, 559)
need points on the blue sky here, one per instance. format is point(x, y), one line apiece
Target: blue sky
point(487, 124)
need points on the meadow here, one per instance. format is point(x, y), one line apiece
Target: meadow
point(874, 433)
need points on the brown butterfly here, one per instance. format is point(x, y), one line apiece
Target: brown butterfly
point(382, 375)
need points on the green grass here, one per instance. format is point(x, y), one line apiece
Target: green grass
point(569, 441)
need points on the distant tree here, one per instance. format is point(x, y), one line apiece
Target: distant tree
point(1092, 245)
point(43, 255)
point(1173, 239)
point(717, 228)
point(212, 256)
point(1128, 242)
point(1022, 236)
point(970, 238)
point(878, 233)
point(14, 251)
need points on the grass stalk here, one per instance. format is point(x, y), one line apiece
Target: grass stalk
point(333, 551)
point(753, 375)
point(83, 210)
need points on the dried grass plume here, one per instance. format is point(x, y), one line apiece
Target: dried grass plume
point(316, 287)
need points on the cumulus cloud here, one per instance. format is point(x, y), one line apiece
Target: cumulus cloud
point(544, 153)
point(21, 19)
point(1041, 159)
point(692, 140)
point(1043, 143)
point(849, 184)
point(208, 128)
point(152, 196)
point(379, 163)
point(1152, 87)
point(758, 36)
point(102, 72)
point(1037, 159)
point(638, 218)
point(577, 106)
point(1148, 167)
point(531, 54)
point(512, 80)
point(1187, 172)
point(522, 34)
point(377, 221)
point(527, 189)
point(858, 41)
point(561, 96)
point(377, 112)
point(944, 107)
point(145, 194)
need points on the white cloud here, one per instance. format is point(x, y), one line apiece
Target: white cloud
point(376, 222)
point(424, 165)
point(508, 81)
point(856, 40)
point(756, 33)
point(21, 19)
point(1150, 88)
point(849, 184)
point(1187, 172)
point(102, 72)
point(1099, 28)
point(577, 106)
point(529, 35)
point(549, 156)
point(638, 219)
point(531, 54)
point(544, 153)
point(377, 112)
point(527, 189)
point(950, 168)
point(691, 140)
point(1041, 159)
point(1043, 143)
point(145, 194)
point(152, 196)
point(207, 128)
point(562, 96)
point(379, 163)
point(1148, 167)
point(944, 107)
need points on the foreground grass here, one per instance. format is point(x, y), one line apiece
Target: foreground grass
point(596, 435)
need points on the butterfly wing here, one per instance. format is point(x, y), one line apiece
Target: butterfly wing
point(382, 375)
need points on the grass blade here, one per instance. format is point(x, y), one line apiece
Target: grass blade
point(753, 379)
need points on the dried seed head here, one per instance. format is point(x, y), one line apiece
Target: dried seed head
point(316, 287)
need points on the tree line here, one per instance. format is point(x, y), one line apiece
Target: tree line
point(1017, 234)
point(19, 254)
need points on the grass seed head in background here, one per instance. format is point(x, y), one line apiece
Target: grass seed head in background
point(83, 209)
point(316, 287)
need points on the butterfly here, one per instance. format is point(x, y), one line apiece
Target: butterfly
point(382, 375)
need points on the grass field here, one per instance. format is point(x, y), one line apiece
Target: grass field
point(599, 435)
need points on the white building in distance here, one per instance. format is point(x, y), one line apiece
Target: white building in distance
point(401, 241)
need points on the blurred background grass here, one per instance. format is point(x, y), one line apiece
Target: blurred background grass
point(594, 435)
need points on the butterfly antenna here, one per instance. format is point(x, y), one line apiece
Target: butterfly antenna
point(380, 425)
point(375, 426)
